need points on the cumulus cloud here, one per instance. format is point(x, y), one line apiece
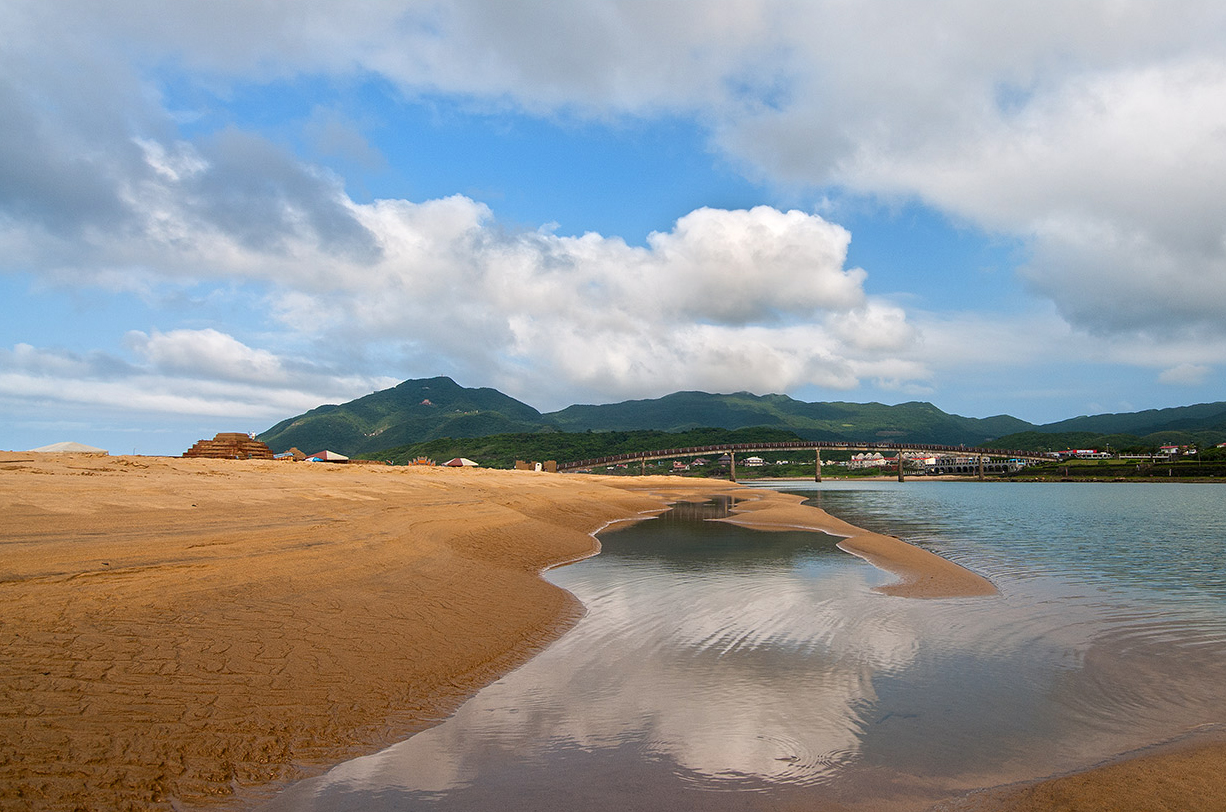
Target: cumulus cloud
point(208, 353)
point(1091, 130)
point(186, 372)
point(1184, 375)
point(1097, 138)
point(757, 298)
point(1113, 178)
point(727, 300)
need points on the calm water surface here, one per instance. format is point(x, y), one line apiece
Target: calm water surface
point(725, 668)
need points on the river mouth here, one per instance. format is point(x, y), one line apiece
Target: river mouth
point(720, 667)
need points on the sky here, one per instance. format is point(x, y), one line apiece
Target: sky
point(216, 215)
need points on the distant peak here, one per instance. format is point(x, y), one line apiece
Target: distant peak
point(425, 383)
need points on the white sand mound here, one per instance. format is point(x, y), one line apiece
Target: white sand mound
point(69, 448)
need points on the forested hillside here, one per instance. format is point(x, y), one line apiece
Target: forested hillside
point(384, 424)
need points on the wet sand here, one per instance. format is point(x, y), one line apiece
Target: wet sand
point(921, 574)
point(183, 630)
point(1183, 776)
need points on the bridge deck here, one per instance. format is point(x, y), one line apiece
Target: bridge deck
point(802, 445)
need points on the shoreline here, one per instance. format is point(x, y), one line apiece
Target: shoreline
point(203, 632)
point(176, 630)
point(920, 573)
point(1178, 775)
point(993, 478)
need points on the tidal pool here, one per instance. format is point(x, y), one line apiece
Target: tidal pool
point(720, 667)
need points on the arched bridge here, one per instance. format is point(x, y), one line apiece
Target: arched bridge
point(974, 459)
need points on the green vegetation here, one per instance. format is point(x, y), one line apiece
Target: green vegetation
point(1209, 466)
point(501, 450)
point(381, 425)
point(907, 422)
point(421, 410)
point(1199, 418)
point(409, 413)
point(1116, 443)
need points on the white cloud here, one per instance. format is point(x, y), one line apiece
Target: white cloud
point(751, 266)
point(1184, 375)
point(174, 163)
point(184, 372)
point(206, 353)
point(755, 298)
point(1093, 130)
point(1113, 176)
point(727, 300)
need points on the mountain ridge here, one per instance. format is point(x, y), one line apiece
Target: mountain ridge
point(419, 410)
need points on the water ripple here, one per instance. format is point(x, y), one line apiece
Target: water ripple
point(720, 659)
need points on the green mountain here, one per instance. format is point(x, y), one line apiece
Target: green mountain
point(1203, 424)
point(907, 422)
point(1201, 417)
point(411, 412)
point(419, 411)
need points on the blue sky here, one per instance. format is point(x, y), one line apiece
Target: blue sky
point(217, 215)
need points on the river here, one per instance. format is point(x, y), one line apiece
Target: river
point(725, 668)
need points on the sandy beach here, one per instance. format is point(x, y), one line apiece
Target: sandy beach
point(178, 629)
point(197, 632)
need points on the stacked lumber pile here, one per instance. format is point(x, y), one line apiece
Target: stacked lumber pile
point(230, 445)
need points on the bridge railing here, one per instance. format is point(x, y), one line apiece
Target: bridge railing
point(795, 445)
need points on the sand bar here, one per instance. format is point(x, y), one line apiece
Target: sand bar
point(184, 629)
point(921, 574)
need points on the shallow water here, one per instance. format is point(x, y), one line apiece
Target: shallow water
point(720, 667)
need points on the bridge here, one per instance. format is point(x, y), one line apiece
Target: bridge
point(980, 456)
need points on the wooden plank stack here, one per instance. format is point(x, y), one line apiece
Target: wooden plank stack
point(230, 445)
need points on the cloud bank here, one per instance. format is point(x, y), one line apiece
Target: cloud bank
point(1091, 131)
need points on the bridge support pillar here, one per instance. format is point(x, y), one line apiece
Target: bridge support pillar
point(900, 477)
point(817, 472)
point(732, 466)
point(643, 467)
point(981, 468)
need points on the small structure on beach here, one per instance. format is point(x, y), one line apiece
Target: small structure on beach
point(230, 445)
point(69, 448)
point(460, 462)
point(549, 466)
point(327, 456)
